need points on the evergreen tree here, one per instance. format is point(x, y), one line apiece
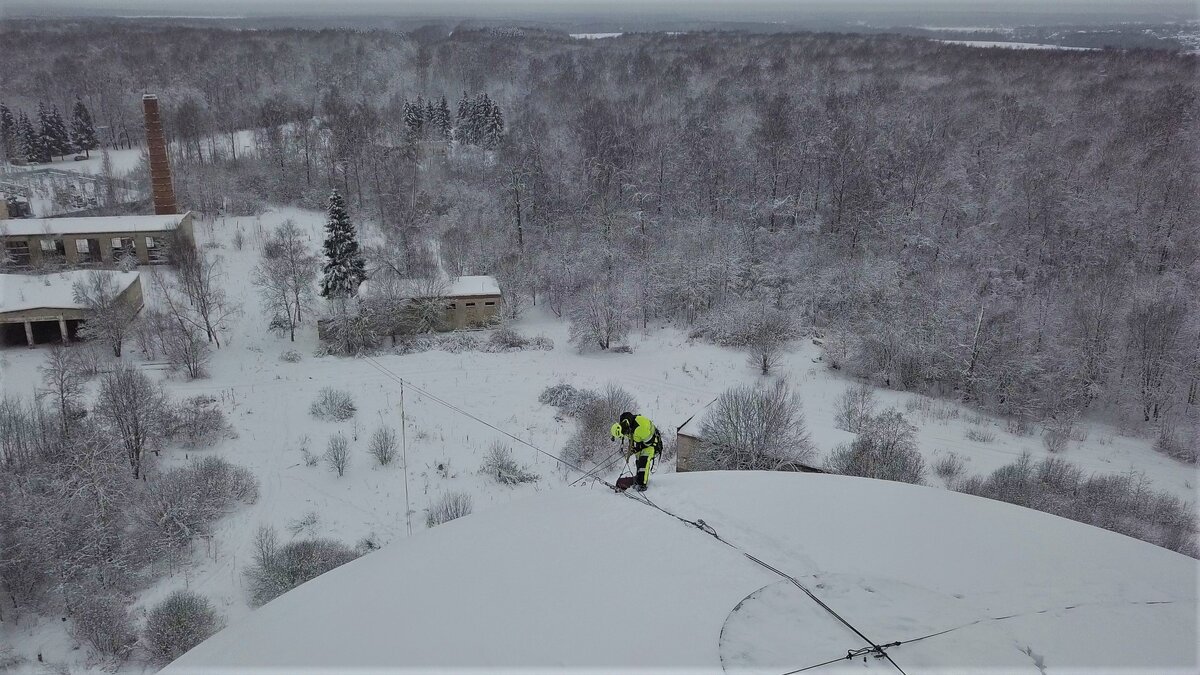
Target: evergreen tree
point(8, 133)
point(412, 118)
point(43, 144)
point(60, 136)
point(344, 268)
point(464, 108)
point(83, 132)
point(28, 145)
point(443, 119)
point(493, 127)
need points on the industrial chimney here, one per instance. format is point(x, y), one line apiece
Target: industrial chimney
point(160, 167)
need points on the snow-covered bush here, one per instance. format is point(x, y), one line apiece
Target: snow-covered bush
point(181, 621)
point(1058, 432)
point(592, 437)
point(855, 406)
point(507, 339)
point(1179, 442)
point(290, 356)
point(182, 504)
point(383, 445)
point(599, 318)
point(451, 505)
point(949, 468)
point(277, 569)
point(981, 435)
point(754, 428)
point(1122, 503)
point(884, 449)
point(197, 422)
point(333, 405)
point(103, 622)
point(337, 454)
point(499, 464)
point(569, 400)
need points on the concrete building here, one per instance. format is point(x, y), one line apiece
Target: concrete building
point(36, 309)
point(472, 302)
point(97, 241)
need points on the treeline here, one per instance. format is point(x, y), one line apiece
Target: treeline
point(1013, 228)
point(21, 140)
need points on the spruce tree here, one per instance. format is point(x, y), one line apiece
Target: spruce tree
point(43, 145)
point(83, 131)
point(412, 118)
point(493, 127)
point(8, 133)
point(344, 268)
point(28, 139)
point(60, 137)
point(443, 119)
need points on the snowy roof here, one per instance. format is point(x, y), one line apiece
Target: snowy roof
point(577, 579)
point(481, 285)
point(454, 287)
point(91, 225)
point(25, 291)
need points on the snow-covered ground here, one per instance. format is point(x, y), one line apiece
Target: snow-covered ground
point(587, 579)
point(267, 401)
point(1014, 45)
point(595, 36)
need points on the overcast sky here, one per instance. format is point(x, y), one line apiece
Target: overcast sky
point(752, 10)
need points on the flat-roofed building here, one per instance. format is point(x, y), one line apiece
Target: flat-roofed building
point(93, 241)
point(40, 308)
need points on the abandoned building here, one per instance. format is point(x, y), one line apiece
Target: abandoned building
point(472, 302)
point(38, 309)
point(33, 243)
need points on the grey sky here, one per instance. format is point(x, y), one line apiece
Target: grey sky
point(752, 10)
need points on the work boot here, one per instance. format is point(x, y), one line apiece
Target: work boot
point(642, 487)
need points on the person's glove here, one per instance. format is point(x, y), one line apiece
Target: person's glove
point(616, 431)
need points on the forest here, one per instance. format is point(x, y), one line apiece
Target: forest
point(1014, 229)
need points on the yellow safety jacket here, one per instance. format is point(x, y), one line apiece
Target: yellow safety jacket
point(642, 435)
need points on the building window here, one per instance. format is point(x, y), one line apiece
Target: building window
point(47, 244)
point(18, 252)
point(470, 304)
point(453, 305)
point(489, 304)
point(156, 249)
point(81, 246)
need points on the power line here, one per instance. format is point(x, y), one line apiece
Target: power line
point(876, 649)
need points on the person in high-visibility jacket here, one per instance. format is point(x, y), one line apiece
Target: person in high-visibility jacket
point(645, 442)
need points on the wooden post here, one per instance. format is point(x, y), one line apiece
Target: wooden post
point(29, 333)
point(62, 328)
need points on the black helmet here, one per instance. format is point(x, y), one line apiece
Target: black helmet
point(628, 422)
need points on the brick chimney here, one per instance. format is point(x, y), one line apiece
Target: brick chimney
point(160, 167)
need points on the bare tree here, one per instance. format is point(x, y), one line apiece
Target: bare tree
point(108, 316)
point(134, 409)
point(64, 384)
point(285, 278)
point(185, 349)
point(599, 318)
point(755, 428)
point(337, 454)
point(202, 304)
point(855, 407)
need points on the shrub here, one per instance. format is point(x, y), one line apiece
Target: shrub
point(290, 356)
point(277, 569)
point(1122, 503)
point(103, 622)
point(383, 445)
point(1178, 443)
point(182, 504)
point(949, 468)
point(754, 428)
point(500, 464)
point(197, 422)
point(333, 405)
point(507, 339)
point(452, 505)
point(178, 623)
point(569, 400)
point(337, 454)
point(592, 436)
point(884, 449)
point(981, 435)
point(309, 458)
point(855, 407)
point(1058, 432)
